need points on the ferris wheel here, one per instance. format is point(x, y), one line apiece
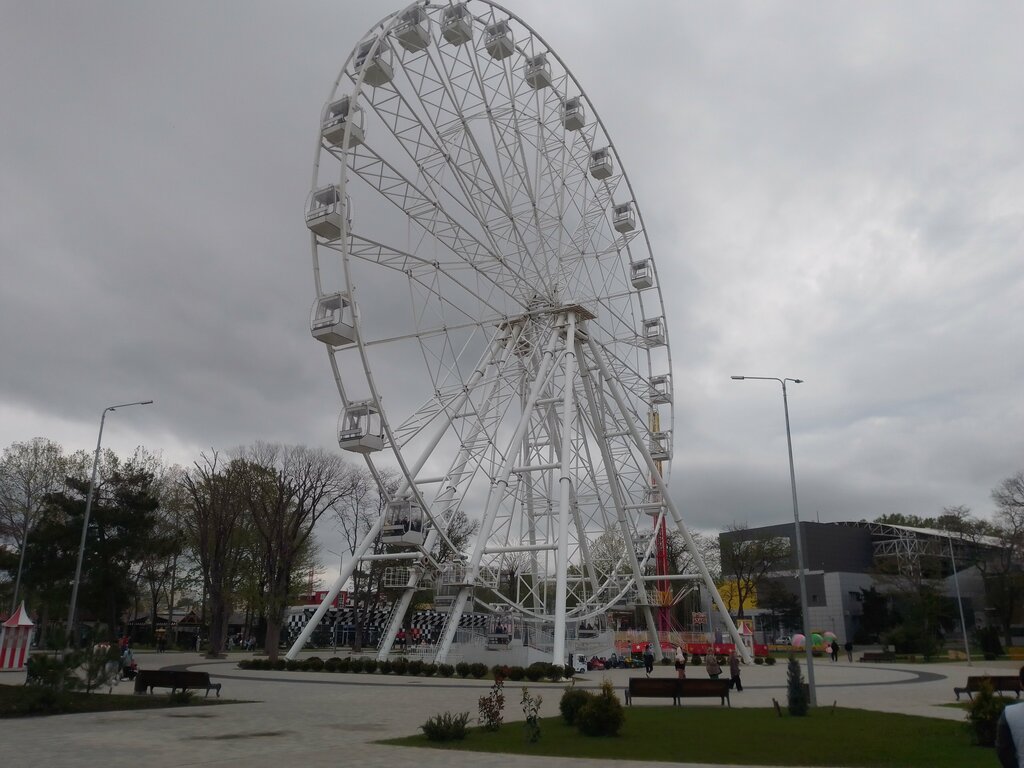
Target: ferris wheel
point(491, 311)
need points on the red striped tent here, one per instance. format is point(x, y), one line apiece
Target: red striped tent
point(15, 636)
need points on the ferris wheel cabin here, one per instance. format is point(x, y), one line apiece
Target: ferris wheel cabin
point(641, 275)
point(498, 40)
point(339, 115)
point(653, 332)
point(456, 26)
point(601, 163)
point(538, 71)
point(414, 32)
point(332, 322)
point(376, 69)
point(360, 429)
point(661, 445)
point(573, 115)
point(325, 212)
point(661, 389)
point(624, 217)
point(403, 524)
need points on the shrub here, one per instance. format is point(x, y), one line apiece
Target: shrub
point(695, 659)
point(400, 667)
point(181, 698)
point(796, 691)
point(429, 670)
point(315, 663)
point(531, 710)
point(983, 715)
point(370, 665)
point(446, 727)
point(278, 664)
point(331, 665)
point(245, 664)
point(462, 669)
point(356, 665)
point(568, 672)
point(500, 670)
point(491, 707)
point(555, 672)
point(602, 715)
point(292, 665)
point(759, 659)
point(770, 661)
point(572, 702)
point(445, 670)
point(53, 673)
point(535, 671)
point(345, 664)
point(416, 667)
point(385, 667)
point(516, 673)
point(478, 670)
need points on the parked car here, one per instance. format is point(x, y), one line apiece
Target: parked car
point(784, 640)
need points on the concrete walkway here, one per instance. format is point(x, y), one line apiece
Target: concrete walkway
point(322, 719)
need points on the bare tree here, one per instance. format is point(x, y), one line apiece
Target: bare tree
point(1004, 577)
point(29, 472)
point(748, 560)
point(287, 490)
point(214, 520)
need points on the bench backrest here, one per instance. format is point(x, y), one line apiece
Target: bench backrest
point(997, 681)
point(700, 686)
point(653, 686)
point(193, 678)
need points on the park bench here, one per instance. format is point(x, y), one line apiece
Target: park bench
point(695, 687)
point(652, 687)
point(878, 656)
point(999, 683)
point(148, 679)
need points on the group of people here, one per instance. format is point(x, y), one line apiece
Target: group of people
point(711, 665)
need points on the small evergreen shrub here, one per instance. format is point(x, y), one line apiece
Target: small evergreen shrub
point(796, 691)
point(385, 667)
point(345, 664)
point(759, 660)
point(331, 665)
point(695, 659)
point(429, 670)
point(278, 664)
point(535, 671)
point(983, 715)
point(315, 664)
point(445, 670)
point(516, 673)
point(568, 672)
point(292, 665)
point(446, 727)
point(416, 667)
point(478, 670)
point(572, 702)
point(370, 665)
point(554, 672)
point(500, 670)
point(356, 665)
point(400, 667)
point(771, 661)
point(602, 715)
point(462, 669)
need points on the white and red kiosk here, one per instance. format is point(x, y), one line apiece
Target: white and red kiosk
point(15, 638)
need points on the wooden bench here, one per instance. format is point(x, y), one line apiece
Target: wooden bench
point(696, 687)
point(881, 656)
point(652, 687)
point(676, 689)
point(148, 679)
point(999, 683)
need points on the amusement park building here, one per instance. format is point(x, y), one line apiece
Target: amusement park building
point(846, 557)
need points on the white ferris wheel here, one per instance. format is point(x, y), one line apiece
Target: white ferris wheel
point(490, 306)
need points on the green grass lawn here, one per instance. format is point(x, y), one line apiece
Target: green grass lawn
point(845, 737)
point(29, 701)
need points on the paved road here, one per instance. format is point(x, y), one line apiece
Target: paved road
point(321, 719)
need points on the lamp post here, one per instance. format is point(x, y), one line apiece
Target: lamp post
point(797, 534)
point(85, 522)
point(959, 600)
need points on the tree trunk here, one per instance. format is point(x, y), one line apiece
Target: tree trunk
point(273, 638)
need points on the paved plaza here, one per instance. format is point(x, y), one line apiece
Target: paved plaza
point(324, 719)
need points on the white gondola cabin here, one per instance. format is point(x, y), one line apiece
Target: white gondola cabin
point(360, 429)
point(661, 446)
point(414, 32)
point(624, 217)
point(404, 521)
point(661, 389)
point(538, 71)
point(573, 114)
point(332, 320)
point(376, 69)
point(653, 332)
point(326, 212)
point(498, 40)
point(456, 25)
point(339, 115)
point(641, 275)
point(601, 166)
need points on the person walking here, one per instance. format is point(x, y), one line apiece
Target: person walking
point(834, 651)
point(680, 662)
point(712, 666)
point(849, 651)
point(734, 671)
point(649, 659)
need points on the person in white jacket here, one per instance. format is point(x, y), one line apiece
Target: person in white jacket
point(1010, 737)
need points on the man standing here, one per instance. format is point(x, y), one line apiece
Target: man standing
point(1010, 737)
point(734, 671)
point(649, 659)
point(849, 651)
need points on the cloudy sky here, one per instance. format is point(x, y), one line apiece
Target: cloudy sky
point(833, 192)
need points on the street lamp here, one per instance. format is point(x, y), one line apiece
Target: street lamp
point(799, 545)
point(959, 600)
point(85, 523)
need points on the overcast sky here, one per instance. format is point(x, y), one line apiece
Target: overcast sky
point(833, 192)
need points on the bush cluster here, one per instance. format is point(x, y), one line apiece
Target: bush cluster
point(541, 670)
point(983, 715)
point(602, 715)
point(572, 702)
point(446, 727)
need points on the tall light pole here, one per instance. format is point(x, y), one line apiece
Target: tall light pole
point(797, 535)
point(959, 600)
point(85, 523)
